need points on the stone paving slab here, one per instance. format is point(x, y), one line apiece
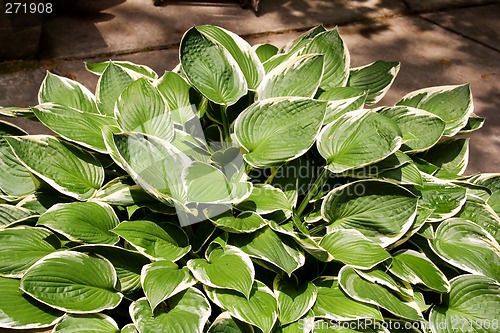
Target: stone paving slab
point(433, 5)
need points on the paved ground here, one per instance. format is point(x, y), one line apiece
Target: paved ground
point(439, 42)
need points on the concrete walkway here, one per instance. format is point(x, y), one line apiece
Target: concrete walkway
point(438, 42)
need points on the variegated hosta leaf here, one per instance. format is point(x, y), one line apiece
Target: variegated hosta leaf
point(19, 311)
point(135, 70)
point(121, 191)
point(381, 277)
point(293, 301)
point(73, 282)
point(21, 247)
point(224, 323)
point(113, 81)
point(492, 182)
point(246, 222)
point(240, 50)
point(376, 78)
point(482, 214)
point(352, 248)
point(421, 129)
point(96, 323)
point(372, 293)
point(303, 40)
point(332, 303)
point(211, 69)
point(186, 312)
point(164, 279)
point(67, 168)
point(278, 130)
point(129, 328)
point(467, 246)
point(336, 58)
point(260, 309)
point(416, 268)
point(471, 306)
point(10, 214)
point(175, 90)
point(298, 76)
point(85, 222)
point(342, 100)
point(60, 90)
point(142, 109)
point(265, 51)
point(158, 242)
point(357, 139)
point(380, 210)
point(451, 156)
point(453, 104)
point(265, 199)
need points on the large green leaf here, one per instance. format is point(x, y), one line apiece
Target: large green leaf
point(186, 312)
point(113, 81)
point(467, 246)
point(294, 301)
point(260, 309)
point(19, 311)
point(175, 90)
point(240, 50)
point(482, 214)
point(298, 76)
point(336, 57)
point(67, 168)
point(421, 129)
point(121, 191)
point(211, 69)
point(414, 267)
point(60, 90)
point(10, 214)
point(342, 100)
point(164, 279)
point(85, 222)
point(95, 323)
point(381, 277)
point(21, 247)
point(135, 70)
point(224, 323)
point(165, 242)
point(376, 78)
point(453, 104)
point(380, 210)
point(471, 306)
point(357, 139)
point(142, 109)
point(265, 51)
point(225, 268)
point(492, 182)
point(372, 293)
point(352, 248)
point(451, 156)
point(278, 130)
point(73, 282)
point(246, 222)
point(265, 199)
point(332, 303)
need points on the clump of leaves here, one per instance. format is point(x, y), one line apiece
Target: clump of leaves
point(249, 190)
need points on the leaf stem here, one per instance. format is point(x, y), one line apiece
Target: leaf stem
point(225, 125)
point(320, 181)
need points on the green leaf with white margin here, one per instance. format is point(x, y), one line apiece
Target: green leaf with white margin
point(352, 248)
point(113, 81)
point(121, 191)
point(141, 108)
point(303, 325)
point(473, 124)
point(265, 51)
point(74, 125)
point(186, 312)
point(21, 247)
point(211, 69)
point(332, 303)
point(421, 129)
point(95, 323)
point(293, 301)
point(451, 156)
point(303, 40)
point(19, 311)
point(99, 67)
point(467, 246)
point(15, 179)
point(376, 77)
point(298, 76)
point(60, 90)
point(265, 244)
point(492, 182)
point(471, 306)
point(245, 222)
point(67, 168)
point(129, 328)
point(342, 100)
point(10, 214)
point(224, 323)
point(407, 174)
point(482, 214)
point(380, 210)
point(73, 282)
point(416, 268)
point(83, 222)
point(453, 104)
point(164, 279)
point(336, 58)
point(372, 293)
point(225, 268)
point(357, 139)
point(260, 309)
point(381, 277)
point(265, 199)
point(278, 130)
point(191, 146)
point(157, 242)
point(240, 50)
point(175, 91)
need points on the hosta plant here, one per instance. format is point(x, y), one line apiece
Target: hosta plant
point(251, 189)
